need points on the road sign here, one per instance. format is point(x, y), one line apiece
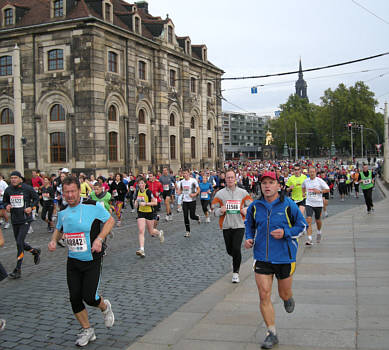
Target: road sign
point(254, 90)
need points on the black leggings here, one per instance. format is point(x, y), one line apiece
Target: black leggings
point(3, 272)
point(49, 211)
point(233, 239)
point(131, 198)
point(368, 194)
point(20, 233)
point(83, 281)
point(204, 205)
point(189, 207)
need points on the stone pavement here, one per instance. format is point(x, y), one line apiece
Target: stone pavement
point(341, 289)
point(143, 292)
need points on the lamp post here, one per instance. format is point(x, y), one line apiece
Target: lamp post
point(386, 150)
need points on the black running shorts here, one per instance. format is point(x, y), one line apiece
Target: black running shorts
point(147, 216)
point(301, 203)
point(310, 210)
point(281, 271)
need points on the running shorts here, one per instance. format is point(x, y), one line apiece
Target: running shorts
point(166, 194)
point(147, 216)
point(281, 271)
point(310, 210)
point(326, 195)
point(301, 203)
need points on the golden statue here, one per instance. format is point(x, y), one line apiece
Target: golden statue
point(269, 138)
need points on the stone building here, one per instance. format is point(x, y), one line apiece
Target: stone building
point(102, 85)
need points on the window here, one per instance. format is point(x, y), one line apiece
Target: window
point(170, 34)
point(192, 123)
point(5, 65)
point(7, 149)
point(187, 47)
point(58, 8)
point(112, 146)
point(137, 25)
point(209, 147)
point(209, 89)
point(57, 113)
point(172, 147)
point(209, 124)
point(193, 85)
point(7, 117)
point(112, 113)
point(142, 70)
point(141, 117)
point(8, 17)
point(142, 147)
point(55, 59)
point(193, 147)
point(172, 121)
point(107, 12)
point(112, 61)
point(57, 147)
point(172, 78)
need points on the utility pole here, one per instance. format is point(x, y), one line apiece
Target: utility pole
point(386, 150)
point(296, 152)
point(352, 147)
point(362, 141)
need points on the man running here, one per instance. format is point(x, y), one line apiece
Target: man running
point(294, 184)
point(273, 224)
point(80, 224)
point(19, 199)
point(230, 206)
point(190, 189)
point(166, 181)
point(366, 179)
point(313, 188)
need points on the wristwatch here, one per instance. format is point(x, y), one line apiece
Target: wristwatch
point(102, 240)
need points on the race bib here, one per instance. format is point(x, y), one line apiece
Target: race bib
point(331, 177)
point(186, 190)
point(312, 194)
point(17, 201)
point(115, 193)
point(204, 195)
point(233, 207)
point(46, 196)
point(367, 181)
point(166, 187)
point(341, 181)
point(132, 188)
point(140, 199)
point(76, 242)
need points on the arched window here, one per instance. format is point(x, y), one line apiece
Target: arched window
point(55, 59)
point(172, 147)
point(137, 25)
point(57, 113)
point(172, 121)
point(57, 147)
point(112, 113)
point(142, 147)
point(193, 147)
point(192, 123)
point(7, 149)
point(141, 117)
point(112, 146)
point(209, 147)
point(7, 116)
point(209, 124)
point(5, 65)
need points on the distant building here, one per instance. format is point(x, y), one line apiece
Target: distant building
point(301, 84)
point(102, 85)
point(243, 135)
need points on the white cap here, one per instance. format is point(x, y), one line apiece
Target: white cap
point(64, 170)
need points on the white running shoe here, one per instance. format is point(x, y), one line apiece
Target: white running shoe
point(87, 335)
point(119, 223)
point(235, 278)
point(167, 217)
point(141, 253)
point(161, 236)
point(30, 230)
point(318, 237)
point(109, 317)
point(326, 214)
point(309, 243)
point(6, 225)
point(187, 234)
point(132, 210)
point(208, 219)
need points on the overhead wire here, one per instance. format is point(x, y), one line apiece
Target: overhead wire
point(371, 12)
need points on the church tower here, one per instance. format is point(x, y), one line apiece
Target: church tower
point(301, 84)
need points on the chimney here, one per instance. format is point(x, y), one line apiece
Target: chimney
point(143, 5)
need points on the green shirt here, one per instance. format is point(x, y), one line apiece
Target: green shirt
point(106, 199)
point(297, 191)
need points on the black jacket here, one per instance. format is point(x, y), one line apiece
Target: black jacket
point(21, 197)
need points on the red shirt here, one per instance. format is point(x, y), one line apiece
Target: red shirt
point(156, 188)
point(37, 181)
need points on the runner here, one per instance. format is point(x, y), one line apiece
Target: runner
point(341, 182)
point(19, 199)
point(230, 205)
point(190, 190)
point(118, 192)
point(37, 183)
point(294, 184)
point(356, 182)
point(3, 212)
point(80, 223)
point(47, 195)
point(206, 190)
point(99, 195)
point(366, 179)
point(313, 188)
point(326, 195)
point(145, 201)
point(3, 275)
point(85, 187)
point(272, 229)
point(166, 181)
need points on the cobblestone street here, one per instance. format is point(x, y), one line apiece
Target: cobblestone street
point(142, 291)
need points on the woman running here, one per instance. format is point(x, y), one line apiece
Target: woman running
point(118, 191)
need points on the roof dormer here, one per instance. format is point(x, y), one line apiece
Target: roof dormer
point(170, 36)
point(107, 11)
point(9, 15)
point(137, 24)
point(188, 46)
point(57, 8)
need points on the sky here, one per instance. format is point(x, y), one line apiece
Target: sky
point(257, 37)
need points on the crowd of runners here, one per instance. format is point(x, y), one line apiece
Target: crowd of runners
point(268, 204)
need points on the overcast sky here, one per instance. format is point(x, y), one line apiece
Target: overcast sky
point(256, 37)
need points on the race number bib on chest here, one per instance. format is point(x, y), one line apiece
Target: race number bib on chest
point(341, 181)
point(115, 193)
point(46, 196)
point(233, 207)
point(186, 190)
point(76, 242)
point(140, 199)
point(312, 194)
point(166, 187)
point(17, 201)
point(367, 181)
point(204, 195)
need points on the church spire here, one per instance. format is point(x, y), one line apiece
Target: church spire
point(301, 85)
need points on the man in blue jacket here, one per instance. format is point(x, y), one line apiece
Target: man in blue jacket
point(273, 225)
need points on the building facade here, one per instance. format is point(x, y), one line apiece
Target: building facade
point(102, 85)
point(243, 135)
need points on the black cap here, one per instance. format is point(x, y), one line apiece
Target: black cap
point(16, 173)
